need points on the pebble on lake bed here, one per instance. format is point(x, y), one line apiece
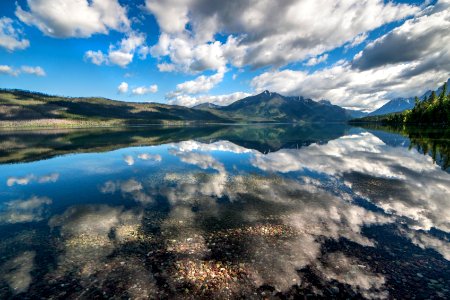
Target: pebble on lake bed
point(209, 275)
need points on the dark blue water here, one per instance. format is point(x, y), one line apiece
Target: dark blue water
point(224, 212)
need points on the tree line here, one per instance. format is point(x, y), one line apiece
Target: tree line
point(432, 110)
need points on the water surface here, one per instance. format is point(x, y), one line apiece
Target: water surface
point(226, 212)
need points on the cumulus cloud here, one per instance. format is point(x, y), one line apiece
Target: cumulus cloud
point(143, 90)
point(8, 70)
point(357, 40)
point(121, 54)
point(187, 55)
point(381, 71)
point(418, 40)
point(96, 57)
point(80, 18)
point(351, 88)
point(200, 84)
point(11, 38)
point(122, 88)
point(316, 60)
point(38, 71)
point(187, 100)
point(252, 37)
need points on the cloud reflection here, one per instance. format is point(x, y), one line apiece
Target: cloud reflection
point(17, 271)
point(25, 180)
point(422, 187)
point(23, 211)
point(131, 188)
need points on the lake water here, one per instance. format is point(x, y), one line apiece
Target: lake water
point(225, 212)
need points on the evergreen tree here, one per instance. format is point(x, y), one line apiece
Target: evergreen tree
point(443, 93)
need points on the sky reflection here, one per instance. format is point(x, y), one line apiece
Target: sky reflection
point(217, 219)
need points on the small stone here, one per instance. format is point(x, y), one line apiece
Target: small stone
point(335, 290)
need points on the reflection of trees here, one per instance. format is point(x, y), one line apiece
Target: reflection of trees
point(208, 230)
point(36, 145)
point(434, 142)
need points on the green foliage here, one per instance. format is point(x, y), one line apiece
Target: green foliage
point(428, 140)
point(432, 110)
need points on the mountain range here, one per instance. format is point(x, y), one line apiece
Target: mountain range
point(273, 107)
point(20, 108)
point(24, 108)
point(401, 104)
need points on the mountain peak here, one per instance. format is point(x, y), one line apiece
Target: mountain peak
point(267, 93)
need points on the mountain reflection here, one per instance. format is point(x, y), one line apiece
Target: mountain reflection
point(35, 145)
point(236, 212)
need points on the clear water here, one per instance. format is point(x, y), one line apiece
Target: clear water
point(262, 211)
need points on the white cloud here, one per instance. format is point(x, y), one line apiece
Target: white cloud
point(186, 100)
point(359, 39)
point(11, 38)
point(187, 55)
point(96, 57)
point(316, 60)
point(142, 90)
point(122, 54)
point(200, 84)
point(423, 40)
point(406, 62)
point(122, 88)
point(351, 88)
point(262, 33)
point(38, 71)
point(7, 70)
point(74, 18)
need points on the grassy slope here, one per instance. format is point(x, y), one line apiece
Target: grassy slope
point(19, 108)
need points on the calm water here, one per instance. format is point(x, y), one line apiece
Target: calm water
point(225, 212)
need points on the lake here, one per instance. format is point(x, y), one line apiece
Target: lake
point(261, 211)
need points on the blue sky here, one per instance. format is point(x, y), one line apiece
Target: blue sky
point(357, 54)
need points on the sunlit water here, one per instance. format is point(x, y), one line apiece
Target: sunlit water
point(223, 212)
